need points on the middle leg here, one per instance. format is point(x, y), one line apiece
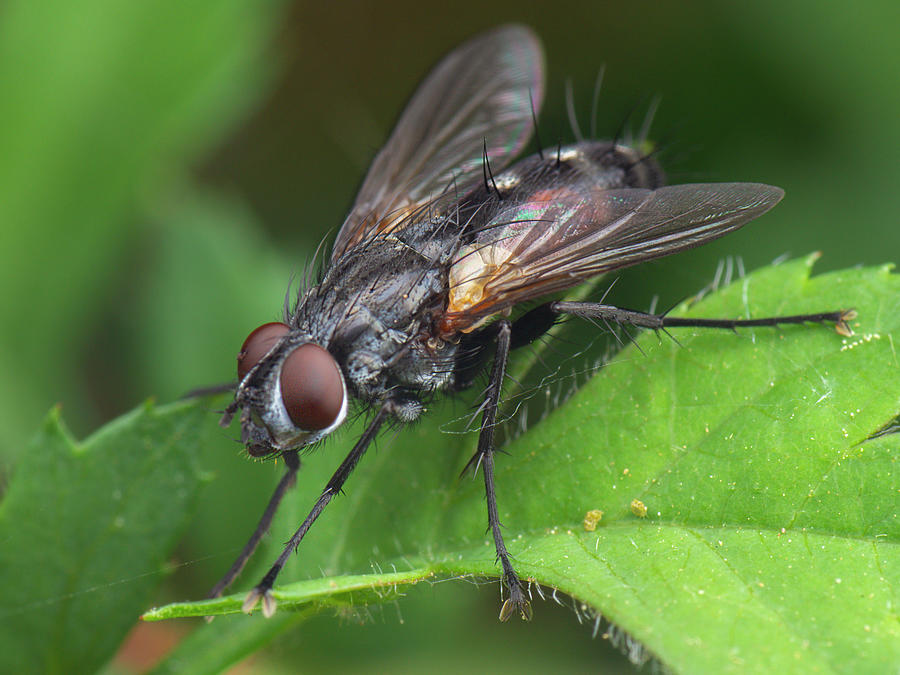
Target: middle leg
point(485, 457)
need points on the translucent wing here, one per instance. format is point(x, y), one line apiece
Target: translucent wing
point(562, 236)
point(480, 93)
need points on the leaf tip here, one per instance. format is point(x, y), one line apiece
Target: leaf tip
point(152, 614)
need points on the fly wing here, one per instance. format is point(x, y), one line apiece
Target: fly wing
point(562, 236)
point(481, 93)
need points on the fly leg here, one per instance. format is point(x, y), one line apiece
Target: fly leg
point(595, 310)
point(292, 460)
point(485, 456)
point(263, 589)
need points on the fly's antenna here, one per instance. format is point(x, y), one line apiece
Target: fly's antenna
point(598, 83)
point(486, 170)
point(537, 132)
point(570, 110)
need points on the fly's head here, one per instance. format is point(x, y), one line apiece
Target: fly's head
point(291, 391)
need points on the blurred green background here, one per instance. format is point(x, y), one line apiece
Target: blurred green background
point(165, 167)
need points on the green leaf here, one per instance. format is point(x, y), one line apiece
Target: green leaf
point(87, 529)
point(327, 592)
point(212, 651)
point(104, 105)
point(771, 542)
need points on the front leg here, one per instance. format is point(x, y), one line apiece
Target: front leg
point(263, 590)
point(292, 461)
point(485, 457)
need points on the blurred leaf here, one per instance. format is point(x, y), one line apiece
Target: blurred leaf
point(213, 651)
point(772, 535)
point(87, 529)
point(213, 277)
point(103, 102)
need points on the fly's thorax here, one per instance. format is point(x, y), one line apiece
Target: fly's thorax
point(380, 360)
point(366, 347)
point(374, 309)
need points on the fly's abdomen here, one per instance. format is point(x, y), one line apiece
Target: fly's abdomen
point(596, 165)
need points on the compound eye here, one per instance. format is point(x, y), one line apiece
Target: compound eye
point(312, 388)
point(258, 344)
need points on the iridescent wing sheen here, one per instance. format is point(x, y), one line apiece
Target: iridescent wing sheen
point(479, 94)
point(561, 236)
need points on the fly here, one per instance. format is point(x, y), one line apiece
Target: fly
point(436, 252)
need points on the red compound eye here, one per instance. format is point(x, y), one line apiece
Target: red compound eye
point(312, 387)
point(258, 344)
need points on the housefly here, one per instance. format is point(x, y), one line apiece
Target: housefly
point(444, 239)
